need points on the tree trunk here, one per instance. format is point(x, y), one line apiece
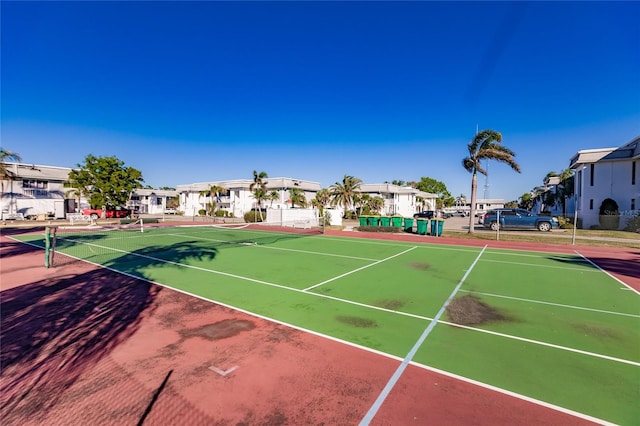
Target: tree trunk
point(472, 207)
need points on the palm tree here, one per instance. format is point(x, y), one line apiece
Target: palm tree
point(321, 200)
point(259, 188)
point(361, 202)
point(5, 174)
point(562, 191)
point(272, 196)
point(342, 193)
point(297, 197)
point(376, 204)
point(213, 193)
point(486, 145)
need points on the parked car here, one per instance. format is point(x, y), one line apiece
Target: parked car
point(170, 210)
point(457, 213)
point(426, 214)
point(110, 213)
point(507, 218)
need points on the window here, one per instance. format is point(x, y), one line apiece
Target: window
point(593, 166)
point(579, 183)
point(633, 173)
point(591, 204)
point(35, 187)
point(633, 204)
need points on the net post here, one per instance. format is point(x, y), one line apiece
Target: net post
point(141, 225)
point(47, 245)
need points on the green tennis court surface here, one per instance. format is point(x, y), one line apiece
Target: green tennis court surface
point(552, 327)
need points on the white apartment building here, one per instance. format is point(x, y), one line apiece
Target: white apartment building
point(607, 173)
point(239, 198)
point(399, 200)
point(33, 190)
point(151, 201)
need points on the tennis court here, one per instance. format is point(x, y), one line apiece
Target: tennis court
point(550, 327)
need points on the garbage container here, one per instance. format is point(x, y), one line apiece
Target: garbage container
point(373, 220)
point(422, 225)
point(408, 224)
point(436, 227)
point(385, 221)
point(396, 221)
point(363, 220)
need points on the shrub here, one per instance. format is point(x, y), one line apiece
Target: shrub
point(379, 229)
point(253, 216)
point(633, 224)
point(565, 223)
point(202, 212)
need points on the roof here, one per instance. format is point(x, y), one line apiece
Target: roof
point(388, 188)
point(271, 183)
point(628, 151)
point(38, 172)
point(156, 192)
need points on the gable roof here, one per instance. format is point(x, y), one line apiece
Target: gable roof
point(628, 151)
point(38, 172)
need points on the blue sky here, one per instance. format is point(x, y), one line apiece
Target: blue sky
point(199, 91)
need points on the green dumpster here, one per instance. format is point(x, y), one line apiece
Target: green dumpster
point(422, 226)
point(363, 220)
point(373, 220)
point(385, 221)
point(396, 221)
point(408, 224)
point(436, 227)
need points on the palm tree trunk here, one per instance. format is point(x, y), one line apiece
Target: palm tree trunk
point(472, 207)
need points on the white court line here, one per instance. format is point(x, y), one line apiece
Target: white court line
point(324, 296)
point(550, 345)
point(403, 365)
point(357, 346)
point(607, 272)
point(541, 266)
point(553, 304)
point(279, 248)
point(358, 269)
point(515, 395)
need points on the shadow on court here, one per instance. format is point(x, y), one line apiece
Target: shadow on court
point(55, 329)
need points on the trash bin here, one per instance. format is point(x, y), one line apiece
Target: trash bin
point(396, 221)
point(385, 221)
point(436, 227)
point(408, 224)
point(373, 220)
point(363, 220)
point(422, 226)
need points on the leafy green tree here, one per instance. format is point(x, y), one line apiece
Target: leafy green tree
point(434, 186)
point(259, 189)
point(105, 181)
point(511, 204)
point(297, 197)
point(342, 193)
point(486, 145)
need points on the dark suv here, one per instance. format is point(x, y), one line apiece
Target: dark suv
point(427, 214)
point(518, 219)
